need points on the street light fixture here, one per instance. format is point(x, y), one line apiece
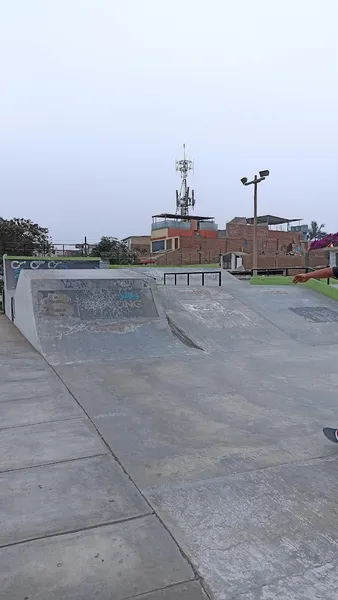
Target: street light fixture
point(256, 180)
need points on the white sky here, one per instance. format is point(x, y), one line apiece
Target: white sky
point(98, 96)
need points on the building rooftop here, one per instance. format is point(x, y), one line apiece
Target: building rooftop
point(180, 218)
point(271, 220)
point(130, 237)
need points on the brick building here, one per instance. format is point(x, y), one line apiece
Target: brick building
point(138, 243)
point(239, 233)
point(197, 240)
point(185, 240)
point(177, 240)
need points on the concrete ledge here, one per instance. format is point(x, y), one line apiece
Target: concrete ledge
point(271, 280)
point(323, 288)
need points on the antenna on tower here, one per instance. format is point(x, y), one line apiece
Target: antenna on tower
point(183, 199)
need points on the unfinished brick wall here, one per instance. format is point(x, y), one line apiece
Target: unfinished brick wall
point(268, 240)
point(275, 262)
point(194, 250)
point(198, 250)
point(319, 258)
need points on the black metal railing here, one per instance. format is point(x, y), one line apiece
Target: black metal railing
point(189, 273)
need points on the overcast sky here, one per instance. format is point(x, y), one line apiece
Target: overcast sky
point(98, 96)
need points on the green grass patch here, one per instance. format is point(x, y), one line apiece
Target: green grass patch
point(315, 284)
point(271, 280)
point(323, 288)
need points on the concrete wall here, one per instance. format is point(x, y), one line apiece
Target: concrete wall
point(24, 318)
point(13, 265)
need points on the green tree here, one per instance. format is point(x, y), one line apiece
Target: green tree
point(22, 237)
point(114, 250)
point(316, 231)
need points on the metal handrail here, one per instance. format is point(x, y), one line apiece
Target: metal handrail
point(188, 273)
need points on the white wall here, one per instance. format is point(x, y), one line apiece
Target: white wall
point(24, 313)
point(333, 258)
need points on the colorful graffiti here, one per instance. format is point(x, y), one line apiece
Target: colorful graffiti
point(58, 305)
point(14, 267)
point(17, 265)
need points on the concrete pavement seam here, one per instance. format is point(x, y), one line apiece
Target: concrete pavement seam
point(40, 423)
point(35, 397)
point(54, 462)
point(77, 530)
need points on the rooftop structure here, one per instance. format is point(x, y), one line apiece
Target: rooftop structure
point(271, 220)
point(182, 218)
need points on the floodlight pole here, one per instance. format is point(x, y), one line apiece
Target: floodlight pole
point(256, 180)
point(254, 245)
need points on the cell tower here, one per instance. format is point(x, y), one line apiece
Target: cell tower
point(183, 200)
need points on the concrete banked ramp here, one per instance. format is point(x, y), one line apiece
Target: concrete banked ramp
point(92, 315)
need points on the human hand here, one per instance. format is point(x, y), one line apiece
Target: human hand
point(301, 278)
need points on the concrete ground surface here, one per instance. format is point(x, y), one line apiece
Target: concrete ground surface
point(73, 524)
point(177, 476)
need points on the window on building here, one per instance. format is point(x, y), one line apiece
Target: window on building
point(157, 246)
point(176, 243)
point(169, 244)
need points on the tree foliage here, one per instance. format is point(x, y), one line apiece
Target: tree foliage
point(22, 237)
point(316, 231)
point(114, 250)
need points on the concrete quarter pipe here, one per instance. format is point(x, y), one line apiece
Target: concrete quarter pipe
point(92, 315)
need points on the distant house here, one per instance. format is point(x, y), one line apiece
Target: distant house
point(140, 244)
point(304, 230)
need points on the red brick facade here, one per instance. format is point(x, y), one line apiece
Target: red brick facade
point(268, 240)
point(275, 248)
point(197, 246)
point(194, 250)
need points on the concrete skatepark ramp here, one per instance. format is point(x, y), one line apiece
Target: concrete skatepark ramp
point(92, 315)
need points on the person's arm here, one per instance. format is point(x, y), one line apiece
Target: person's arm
point(319, 274)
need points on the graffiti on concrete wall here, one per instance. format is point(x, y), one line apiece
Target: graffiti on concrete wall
point(14, 267)
point(58, 304)
point(92, 300)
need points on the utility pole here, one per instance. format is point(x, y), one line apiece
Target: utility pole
point(256, 180)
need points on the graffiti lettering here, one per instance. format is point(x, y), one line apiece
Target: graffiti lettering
point(135, 303)
point(15, 264)
point(129, 296)
point(74, 284)
point(35, 264)
point(57, 265)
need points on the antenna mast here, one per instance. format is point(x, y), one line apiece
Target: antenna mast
point(183, 200)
